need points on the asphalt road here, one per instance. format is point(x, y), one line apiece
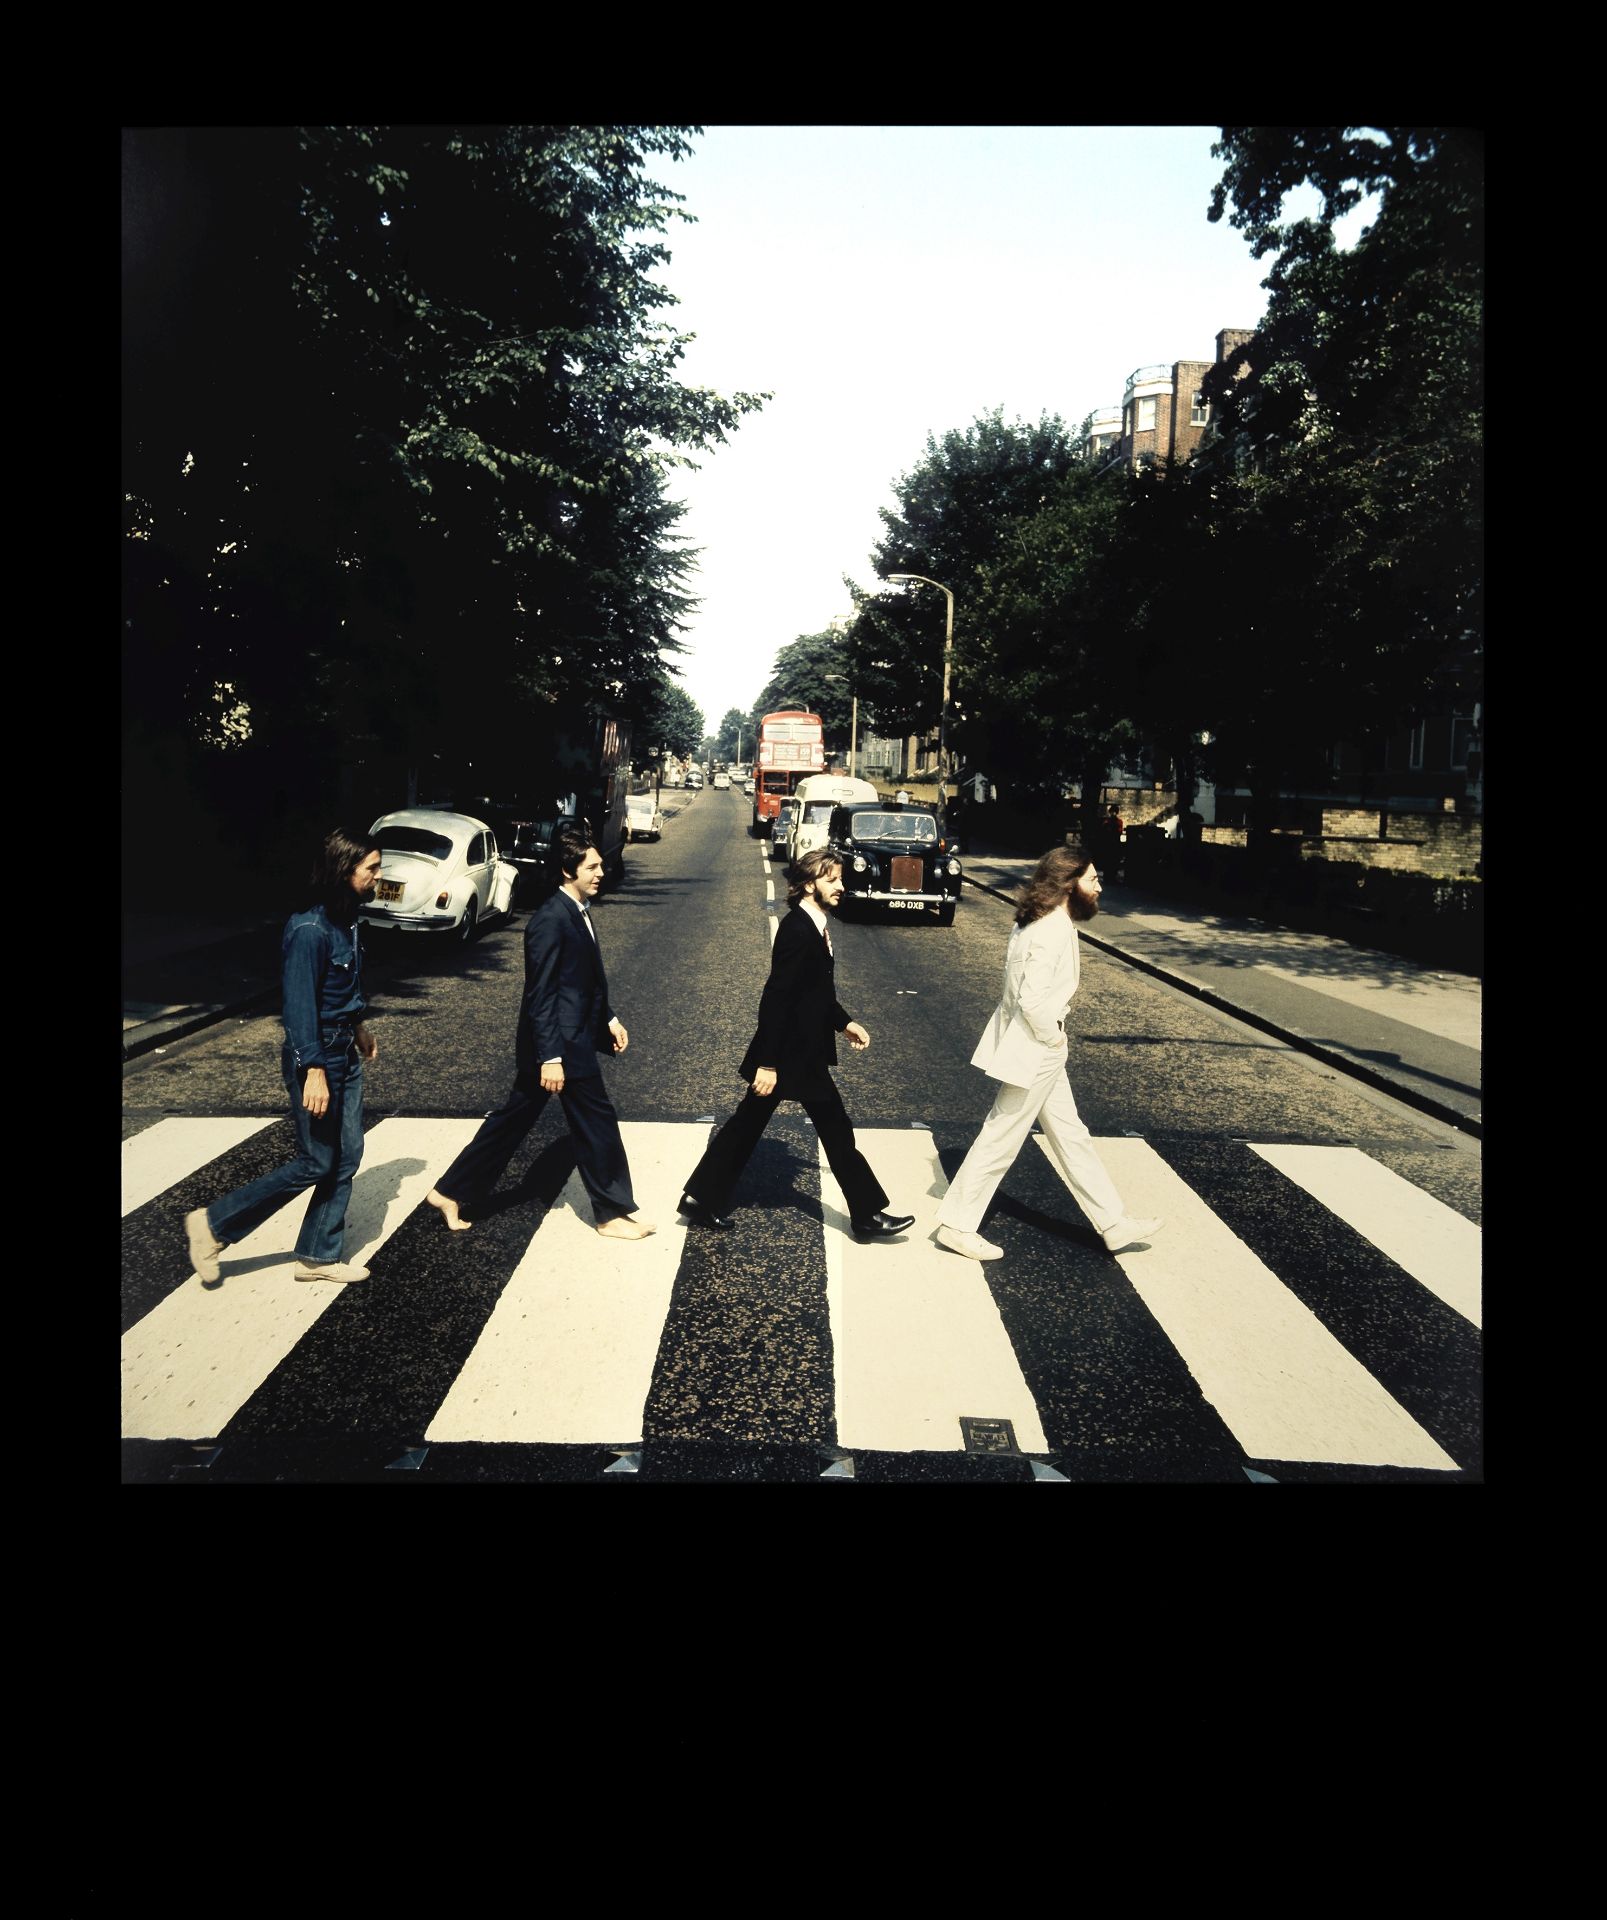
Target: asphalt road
point(1119, 1372)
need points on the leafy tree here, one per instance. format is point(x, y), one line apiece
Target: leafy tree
point(1344, 483)
point(398, 413)
point(734, 729)
point(951, 509)
point(812, 672)
point(669, 722)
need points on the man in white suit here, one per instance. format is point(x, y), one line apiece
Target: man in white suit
point(1024, 1049)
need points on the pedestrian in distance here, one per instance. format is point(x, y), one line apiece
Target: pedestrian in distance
point(326, 1046)
point(791, 1057)
point(565, 1021)
point(1023, 1047)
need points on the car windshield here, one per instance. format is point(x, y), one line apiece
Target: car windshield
point(920, 828)
point(413, 840)
point(817, 813)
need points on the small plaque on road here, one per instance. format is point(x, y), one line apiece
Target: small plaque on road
point(988, 1436)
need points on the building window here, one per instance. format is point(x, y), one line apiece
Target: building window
point(1200, 413)
point(1461, 739)
point(1127, 422)
point(1414, 751)
point(1146, 415)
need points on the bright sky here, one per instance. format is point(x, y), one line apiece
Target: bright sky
point(887, 282)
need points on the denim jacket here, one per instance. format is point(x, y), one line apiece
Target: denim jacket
point(323, 964)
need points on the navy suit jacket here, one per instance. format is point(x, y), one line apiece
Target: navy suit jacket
point(565, 1011)
point(799, 1018)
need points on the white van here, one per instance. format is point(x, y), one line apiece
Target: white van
point(816, 796)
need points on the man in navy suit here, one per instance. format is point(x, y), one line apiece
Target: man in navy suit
point(565, 1021)
point(791, 1058)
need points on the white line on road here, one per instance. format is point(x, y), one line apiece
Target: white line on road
point(567, 1356)
point(917, 1337)
point(175, 1148)
point(1429, 1239)
point(196, 1358)
point(1280, 1380)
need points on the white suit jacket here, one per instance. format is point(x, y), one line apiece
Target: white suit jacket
point(1027, 1030)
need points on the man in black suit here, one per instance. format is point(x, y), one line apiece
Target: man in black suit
point(791, 1058)
point(565, 1021)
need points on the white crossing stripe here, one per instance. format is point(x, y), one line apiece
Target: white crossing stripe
point(1286, 1388)
point(196, 1358)
point(1429, 1239)
point(917, 1337)
point(568, 1354)
point(173, 1149)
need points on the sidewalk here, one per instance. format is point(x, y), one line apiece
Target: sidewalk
point(182, 972)
point(1407, 1029)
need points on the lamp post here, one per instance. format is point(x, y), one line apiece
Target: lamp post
point(948, 654)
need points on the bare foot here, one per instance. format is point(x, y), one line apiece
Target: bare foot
point(623, 1227)
point(448, 1210)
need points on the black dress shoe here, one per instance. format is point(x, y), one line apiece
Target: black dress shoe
point(882, 1226)
point(702, 1216)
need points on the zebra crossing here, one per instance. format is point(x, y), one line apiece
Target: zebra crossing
point(1304, 1304)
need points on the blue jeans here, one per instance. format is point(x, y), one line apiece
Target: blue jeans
point(329, 1152)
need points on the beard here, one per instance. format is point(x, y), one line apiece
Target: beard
point(1079, 906)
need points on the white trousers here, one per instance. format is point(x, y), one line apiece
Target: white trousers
point(1004, 1133)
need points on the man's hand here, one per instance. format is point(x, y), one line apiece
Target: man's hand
point(621, 1038)
point(552, 1075)
point(315, 1092)
point(367, 1045)
point(764, 1082)
point(856, 1036)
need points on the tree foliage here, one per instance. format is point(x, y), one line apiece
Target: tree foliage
point(399, 406)
point(952, 507)
point(812, 672)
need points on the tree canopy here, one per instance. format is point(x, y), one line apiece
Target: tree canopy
point(399, 408)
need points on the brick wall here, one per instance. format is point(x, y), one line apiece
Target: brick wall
point(1446, 845)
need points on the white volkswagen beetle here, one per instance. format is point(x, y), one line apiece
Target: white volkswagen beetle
point(438, 873)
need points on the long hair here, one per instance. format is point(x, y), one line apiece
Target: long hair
point(330, 882)
point(1053, 880)
point(806, 870)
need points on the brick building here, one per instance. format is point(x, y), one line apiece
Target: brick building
point(1163, 415)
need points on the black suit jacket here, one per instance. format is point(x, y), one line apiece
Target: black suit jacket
point(565, 1011)
point(799, 1018)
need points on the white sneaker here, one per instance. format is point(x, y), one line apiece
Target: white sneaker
point(1127, 1233)
point(972, 1245)
point(204, 1246)
point(329, 1270)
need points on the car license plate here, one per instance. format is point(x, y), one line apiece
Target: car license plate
point(389, 890)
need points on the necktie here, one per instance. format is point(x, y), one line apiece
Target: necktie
point(585, 914)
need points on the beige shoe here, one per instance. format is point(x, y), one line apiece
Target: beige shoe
point(623, 1227)
point(329, 1270)
point(204, 1247)
point(1127, 1233)
point(972, 1245)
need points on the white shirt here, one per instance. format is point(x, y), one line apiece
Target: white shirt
point(817, 913)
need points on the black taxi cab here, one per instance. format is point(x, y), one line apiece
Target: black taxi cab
point(896, 856)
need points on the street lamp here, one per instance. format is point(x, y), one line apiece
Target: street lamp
point(948, 653)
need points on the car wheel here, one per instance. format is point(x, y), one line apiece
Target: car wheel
point(945, 914)
point(466, 926)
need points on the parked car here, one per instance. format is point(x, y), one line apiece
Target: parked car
point(642, 818)
point(896, 857)
point(439, 873)
point(722, 780)
point(694, 777)
point(783, 822)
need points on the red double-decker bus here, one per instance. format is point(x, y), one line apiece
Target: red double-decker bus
point(791, 747)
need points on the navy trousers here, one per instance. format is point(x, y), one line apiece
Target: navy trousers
point(599, 1150)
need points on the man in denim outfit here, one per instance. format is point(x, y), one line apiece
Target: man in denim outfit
point(326, 1044)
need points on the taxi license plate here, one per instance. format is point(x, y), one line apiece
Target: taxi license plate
point(389, 890)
